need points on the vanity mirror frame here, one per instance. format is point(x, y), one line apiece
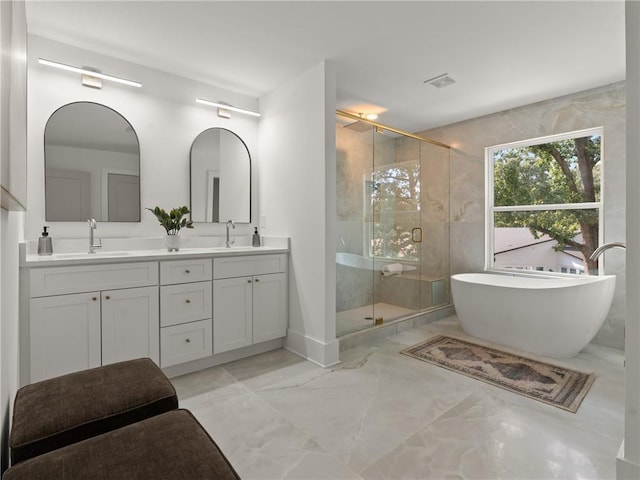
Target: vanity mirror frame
point(250, 179)
point(103, 195)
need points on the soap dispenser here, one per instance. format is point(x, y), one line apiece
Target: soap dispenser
point(256, 238)
point(45, 246)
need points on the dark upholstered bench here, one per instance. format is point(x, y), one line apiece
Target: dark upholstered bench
point(55, 413)
point(168, 446)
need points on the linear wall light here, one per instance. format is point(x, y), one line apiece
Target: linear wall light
point(224, 109)
point(90, 73)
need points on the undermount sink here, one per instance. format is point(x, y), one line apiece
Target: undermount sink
point(90, 255)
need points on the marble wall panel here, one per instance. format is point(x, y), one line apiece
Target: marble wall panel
point(354, 287)
point(435, 183)
point(406, 149)
point(434, 251)
point(354, 151)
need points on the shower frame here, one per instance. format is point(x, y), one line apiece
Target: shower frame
point(380, 128)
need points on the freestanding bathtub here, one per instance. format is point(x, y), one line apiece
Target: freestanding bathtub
point(549, 316)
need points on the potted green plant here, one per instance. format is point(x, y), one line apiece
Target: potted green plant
point(172, 222)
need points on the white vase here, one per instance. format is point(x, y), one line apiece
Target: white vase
point(172, 242)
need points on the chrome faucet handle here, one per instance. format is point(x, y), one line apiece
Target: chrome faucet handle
point(229, 242)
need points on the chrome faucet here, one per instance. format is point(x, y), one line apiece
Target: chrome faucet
point(605, 246)
point(230, 242)
point(92, 226)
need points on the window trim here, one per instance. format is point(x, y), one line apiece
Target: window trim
point(491, 209)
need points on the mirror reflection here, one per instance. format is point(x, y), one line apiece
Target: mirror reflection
point(92, 165)
point(220, 177)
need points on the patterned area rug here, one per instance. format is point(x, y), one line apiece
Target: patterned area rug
point(558, 386)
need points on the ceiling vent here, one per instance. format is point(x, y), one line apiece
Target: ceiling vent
point(441, 81)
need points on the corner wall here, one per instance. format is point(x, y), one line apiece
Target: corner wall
point(12, 24)
point(604, 106)
point(297, 199)
point(628, 466)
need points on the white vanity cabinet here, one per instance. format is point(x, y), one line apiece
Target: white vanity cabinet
point(181, 309)
point(185, 310)
point(78, 319)
point(249, 300)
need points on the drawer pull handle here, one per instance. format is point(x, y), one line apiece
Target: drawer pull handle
point(187, 301)
point(94, 298)
point(107, 297)
point(257, 279)
point(249, 281)
point(188, 340)
point(187, 271)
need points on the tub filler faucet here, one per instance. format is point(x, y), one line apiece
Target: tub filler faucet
point(605, 246)
point(92, 226)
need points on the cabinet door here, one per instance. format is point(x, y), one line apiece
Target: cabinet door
point(64, 334)
point(130, 324)
point(232, 313)
point(269, 307)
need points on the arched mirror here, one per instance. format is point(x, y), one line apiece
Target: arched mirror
point(92, 165)
point(220, 177)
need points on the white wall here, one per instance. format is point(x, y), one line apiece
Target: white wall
point(297, 199)
point(165, 117)
point(629, 460)
point(12, 22)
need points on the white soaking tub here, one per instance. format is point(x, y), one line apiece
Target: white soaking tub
point(549, 316)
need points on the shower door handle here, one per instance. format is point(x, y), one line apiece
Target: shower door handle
point(416, 235)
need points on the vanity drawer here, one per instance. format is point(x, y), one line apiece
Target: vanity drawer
point(89, 278)
point(243, 266)
point(185, 342)
point(182, 271)
point(185, 303)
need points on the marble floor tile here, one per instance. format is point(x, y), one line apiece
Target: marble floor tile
point(484, 437)
point(383, 415)
point(380, 403)
point(258, 441)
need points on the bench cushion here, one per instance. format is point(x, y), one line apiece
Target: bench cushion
point(172, 446)
point(57, 412)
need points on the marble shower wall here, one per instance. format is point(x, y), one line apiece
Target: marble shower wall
point(604, 106)
point(357, 153)
point(354, 153)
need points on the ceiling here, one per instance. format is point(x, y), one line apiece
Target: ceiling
point(501, 54)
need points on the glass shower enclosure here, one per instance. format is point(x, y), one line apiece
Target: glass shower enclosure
point(392, 245)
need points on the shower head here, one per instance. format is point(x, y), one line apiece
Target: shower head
point(359, 126)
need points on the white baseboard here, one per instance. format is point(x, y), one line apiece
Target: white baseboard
point(320, 353)
point(625, 470)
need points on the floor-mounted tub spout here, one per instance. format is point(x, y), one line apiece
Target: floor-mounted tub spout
point(606, 246)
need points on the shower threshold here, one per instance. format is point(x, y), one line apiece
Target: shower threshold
point(356, 319)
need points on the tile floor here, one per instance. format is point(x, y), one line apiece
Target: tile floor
point(383, 415)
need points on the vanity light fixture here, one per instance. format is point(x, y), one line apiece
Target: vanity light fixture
point(89, 73)
point(225, 109)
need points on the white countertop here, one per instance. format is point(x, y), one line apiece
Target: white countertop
point(68, 252)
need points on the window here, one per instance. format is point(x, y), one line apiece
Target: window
point(544, 203)
point(392, 210)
